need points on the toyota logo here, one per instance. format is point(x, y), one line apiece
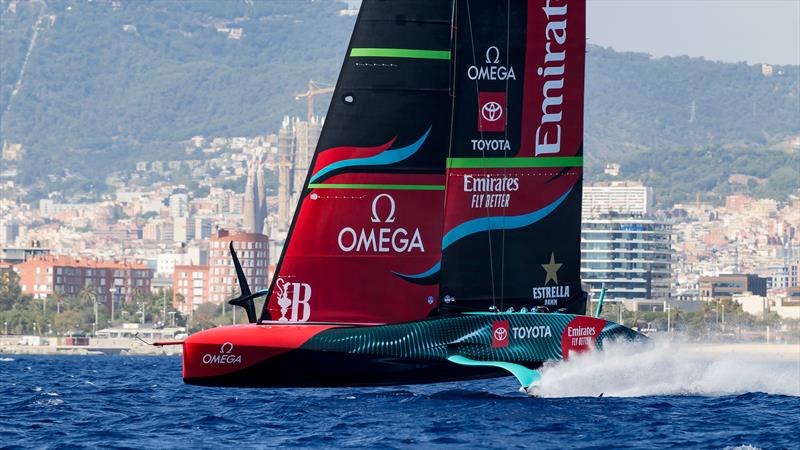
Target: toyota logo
point(500, 334)
point(492, 111)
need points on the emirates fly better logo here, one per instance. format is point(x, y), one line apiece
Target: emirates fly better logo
point(500, 333)
point(492, 112)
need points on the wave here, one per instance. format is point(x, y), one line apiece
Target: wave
point(664, 368)
point(49, 402)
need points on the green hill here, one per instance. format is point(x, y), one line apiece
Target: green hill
point(683, 174)
point(131, 78)
point(634, 101)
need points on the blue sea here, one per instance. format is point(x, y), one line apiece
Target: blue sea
point(141, 402)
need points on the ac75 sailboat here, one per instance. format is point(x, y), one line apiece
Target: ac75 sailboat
point(437, 237)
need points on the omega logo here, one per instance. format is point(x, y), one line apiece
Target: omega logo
point(381, 238)
point(225, 356)
point(390, 217)
point(493, 69)
point(492, 50)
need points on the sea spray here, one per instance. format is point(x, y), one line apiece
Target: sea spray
point(664, 368)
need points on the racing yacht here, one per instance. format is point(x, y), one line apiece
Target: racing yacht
point(437, 235)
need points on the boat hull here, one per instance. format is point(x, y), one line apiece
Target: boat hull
point(319, 355)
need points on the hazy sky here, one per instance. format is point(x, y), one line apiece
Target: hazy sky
point(756, 31)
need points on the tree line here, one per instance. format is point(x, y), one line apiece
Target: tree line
point(60, 315)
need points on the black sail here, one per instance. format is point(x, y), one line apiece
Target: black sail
point(511, 234)
point(370, 215)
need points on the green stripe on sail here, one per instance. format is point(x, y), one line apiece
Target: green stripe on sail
point(399, 53)
point(505, 163)
point(397, 187)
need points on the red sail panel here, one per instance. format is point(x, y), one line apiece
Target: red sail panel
point(477, 193)
point(552, 110)
point(349, 269)
point(369, 220)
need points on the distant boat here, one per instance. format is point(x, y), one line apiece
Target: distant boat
point(437, 237)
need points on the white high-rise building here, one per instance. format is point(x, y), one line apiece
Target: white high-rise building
point(630, 255)
point(178, 205)
point(628, 197)
point(183, 229)
point(202, 228)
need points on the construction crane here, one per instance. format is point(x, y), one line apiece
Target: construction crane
point(314, 88)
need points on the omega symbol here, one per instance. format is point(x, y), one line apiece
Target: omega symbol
point(226, 348)
point(489, 52)
point(390, 217)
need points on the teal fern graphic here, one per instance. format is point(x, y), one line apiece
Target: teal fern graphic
point(465, 335)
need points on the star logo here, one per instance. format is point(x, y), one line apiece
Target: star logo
point(552, 269)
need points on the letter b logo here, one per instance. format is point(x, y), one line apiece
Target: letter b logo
point(301, 294)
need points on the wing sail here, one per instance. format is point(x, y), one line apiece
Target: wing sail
point(371, 210)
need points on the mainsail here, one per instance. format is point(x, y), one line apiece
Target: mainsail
point(448, 174)
point(372, 207)
point(512, 218)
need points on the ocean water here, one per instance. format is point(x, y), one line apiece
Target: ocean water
point(651, 399)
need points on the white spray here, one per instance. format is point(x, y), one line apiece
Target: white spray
point(662, 368)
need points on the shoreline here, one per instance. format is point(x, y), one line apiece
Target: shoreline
point(86, 351)
point(774, 352)
point(96, 347)
point(123, 347)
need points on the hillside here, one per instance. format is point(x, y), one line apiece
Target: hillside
point(634, 101)
point(107, 79)
point(107, 82)
point(684, 174)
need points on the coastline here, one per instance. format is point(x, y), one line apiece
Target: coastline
point(745, 350)
point(10, 345)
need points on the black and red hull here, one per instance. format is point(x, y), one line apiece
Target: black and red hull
point(320, 355)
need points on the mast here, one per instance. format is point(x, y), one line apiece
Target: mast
point(512, 217)
point(371, 209)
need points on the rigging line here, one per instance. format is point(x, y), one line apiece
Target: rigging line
point(483, 152)
point(505, 169)
point(453, 98)
point(453, 80)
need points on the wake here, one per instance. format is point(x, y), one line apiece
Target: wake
point(662, 368)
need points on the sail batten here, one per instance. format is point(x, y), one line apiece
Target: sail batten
point(507, 163)
point(400, 53)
